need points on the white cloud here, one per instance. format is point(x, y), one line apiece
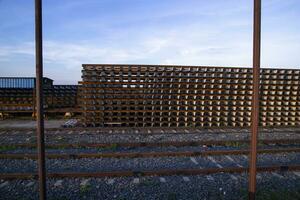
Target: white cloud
point(192, 45)
point(167, 49)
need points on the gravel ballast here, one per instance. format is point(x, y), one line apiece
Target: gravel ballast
point(217, 186)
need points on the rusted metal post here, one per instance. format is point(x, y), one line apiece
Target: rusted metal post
point(39, 99)
point(33, 100)
point(255, 98)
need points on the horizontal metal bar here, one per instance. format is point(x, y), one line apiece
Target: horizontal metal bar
point(157, 144)
point(148, 154)
point(165, 172)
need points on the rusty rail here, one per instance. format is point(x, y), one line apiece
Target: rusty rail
point(156, 144)
point(148, 154)
point(165, 172)
point(146, 131)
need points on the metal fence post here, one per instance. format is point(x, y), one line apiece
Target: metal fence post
point(255, 98)
point(39, 99)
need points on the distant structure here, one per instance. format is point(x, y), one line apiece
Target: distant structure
point(22, 82)
point(186, 96)
point(17, 95)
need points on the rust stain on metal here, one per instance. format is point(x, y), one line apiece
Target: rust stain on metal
point(164, 172)
point(149, 154)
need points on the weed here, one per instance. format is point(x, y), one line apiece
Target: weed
point(56, 147)
point(193, 125)
point(7, 147)
point(100, 148)
point(85, 188)
point(122, 198)
point(277, 194)
point(149, 183)
point(244, 193)
point(112, 147)
point(60, 198)
point(172, 196)
point(260, 143)
point(235, 144)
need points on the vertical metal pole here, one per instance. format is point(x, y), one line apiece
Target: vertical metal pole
point(255, 98)
point(39, 99)
point(33, 100)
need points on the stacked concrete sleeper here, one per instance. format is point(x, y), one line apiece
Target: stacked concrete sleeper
point(186, 96)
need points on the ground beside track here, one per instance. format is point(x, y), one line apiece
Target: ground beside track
point(218, 186)
point(29, 123)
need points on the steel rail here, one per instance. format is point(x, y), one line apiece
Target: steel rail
point(88, 132)
point(147, 154)
point(124, 131)
point(166, 130)
point(163, 172)
point(143, 130)
point(156, 144)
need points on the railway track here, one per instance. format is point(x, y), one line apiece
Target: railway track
point(146, 160)
point(142, 131)
point(155, 144)
point(141, 155)
point(148, 154)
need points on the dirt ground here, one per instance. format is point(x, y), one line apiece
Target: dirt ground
point(27, 123)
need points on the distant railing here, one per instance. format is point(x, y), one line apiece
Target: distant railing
point(21, 82)
point(17, 95)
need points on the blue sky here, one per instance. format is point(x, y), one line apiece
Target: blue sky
point(182, 32)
